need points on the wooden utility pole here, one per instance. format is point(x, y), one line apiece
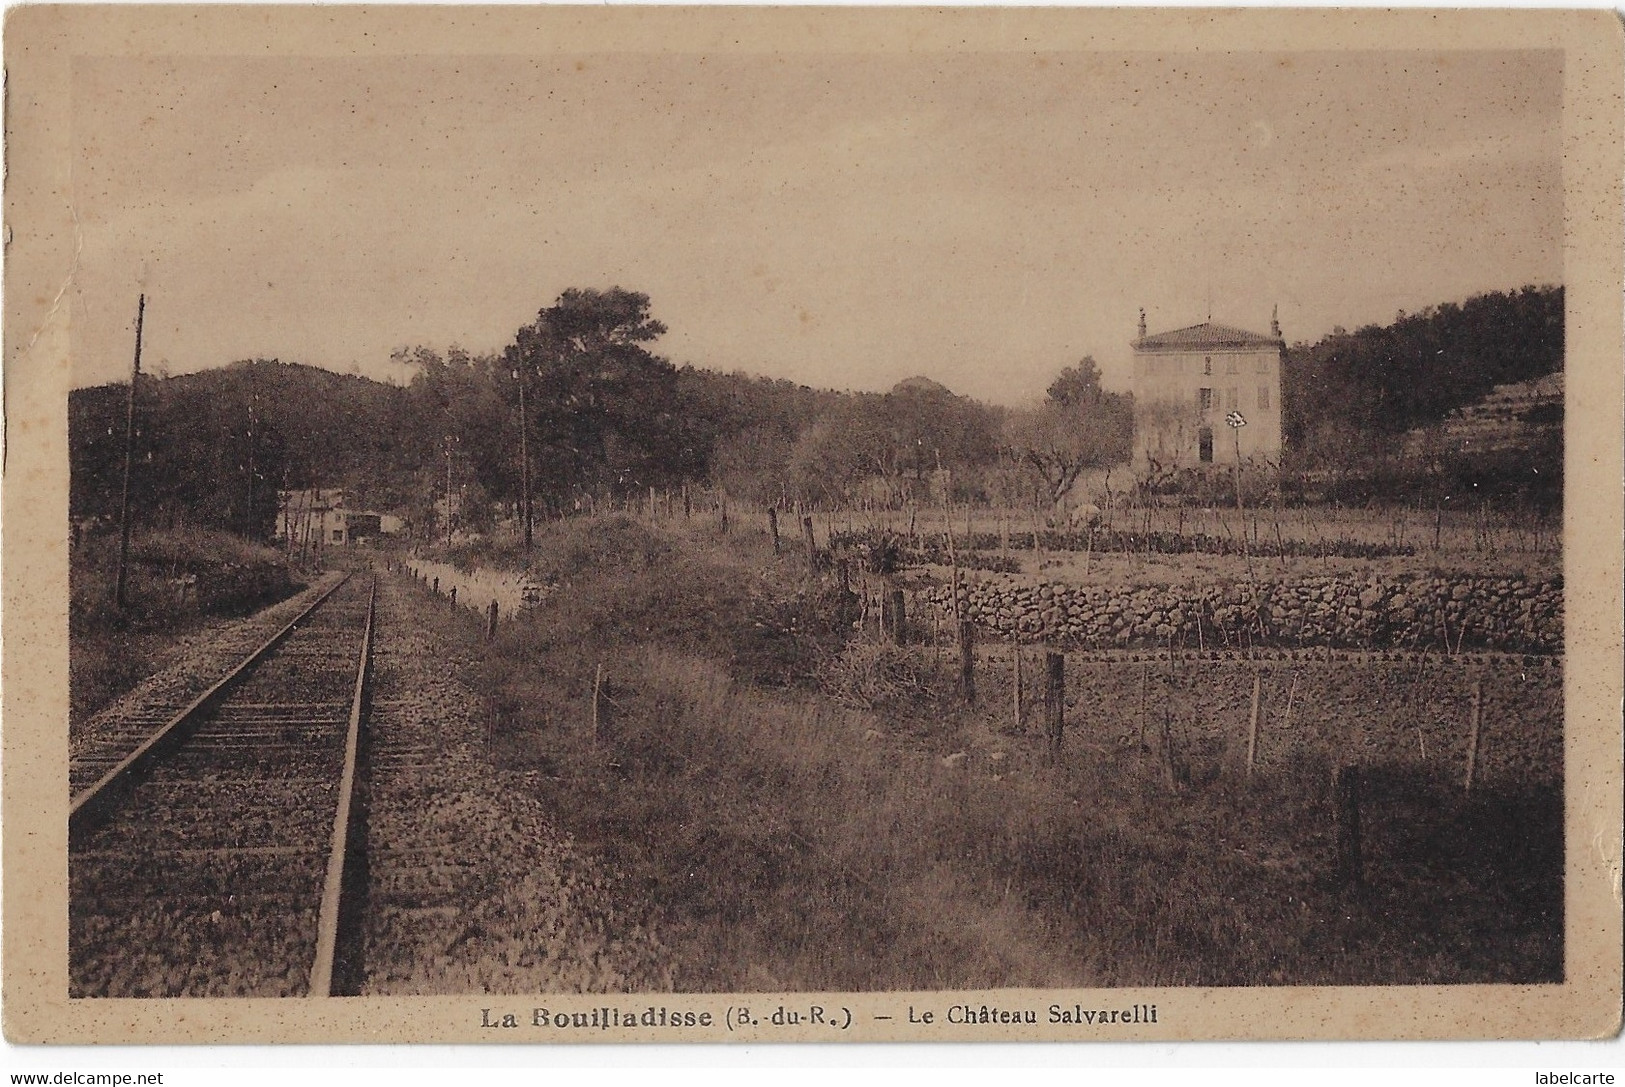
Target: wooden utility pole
point(253, 404)
point(524, 459)
point(129, 451)
point(448, 490)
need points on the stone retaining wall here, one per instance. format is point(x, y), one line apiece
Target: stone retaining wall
point(1505, 614)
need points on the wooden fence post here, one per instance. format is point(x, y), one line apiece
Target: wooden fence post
point(899, 617)
point(491, 622)
point(1346, 810)
point(967, 660)
point(1015, 648)
point(1054, 698)
point(597, 690)
point(812, 544)
point(1252, 728)
point(773, 527)
point(1472, 734)
point(936, 643)
point(1145, 685)
point(1170, 772)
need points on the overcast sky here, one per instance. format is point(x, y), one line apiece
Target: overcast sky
point(840, 220)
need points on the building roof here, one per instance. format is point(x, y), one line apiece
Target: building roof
point(1205, 335)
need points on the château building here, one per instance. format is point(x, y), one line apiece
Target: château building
point(1188, 381)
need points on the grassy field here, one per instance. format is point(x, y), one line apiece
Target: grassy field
point(813, 810)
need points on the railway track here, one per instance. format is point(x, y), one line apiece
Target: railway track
point(97, 743)
point(215, 852)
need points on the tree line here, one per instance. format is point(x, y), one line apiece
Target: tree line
point(1349, 393)
point(603, 415)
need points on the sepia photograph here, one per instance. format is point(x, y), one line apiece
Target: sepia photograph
point(641, 539)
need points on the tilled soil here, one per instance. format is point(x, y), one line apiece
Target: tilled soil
point(473, 888)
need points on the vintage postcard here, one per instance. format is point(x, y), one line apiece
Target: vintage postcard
point(568, 525)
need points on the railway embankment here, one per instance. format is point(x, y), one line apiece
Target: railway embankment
point(183, 587)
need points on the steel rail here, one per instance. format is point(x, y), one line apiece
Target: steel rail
point(95, 802)
point(333, 974)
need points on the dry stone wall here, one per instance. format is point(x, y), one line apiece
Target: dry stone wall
point(1503, 614)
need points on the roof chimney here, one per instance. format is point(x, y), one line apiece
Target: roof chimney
point(1275, 323)
point(1142, 322)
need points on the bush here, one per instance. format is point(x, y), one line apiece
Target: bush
point(112, 649)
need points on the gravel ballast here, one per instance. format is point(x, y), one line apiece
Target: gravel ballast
point(115, 729)
point(474, 888)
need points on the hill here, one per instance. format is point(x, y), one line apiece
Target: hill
point(1353, 391)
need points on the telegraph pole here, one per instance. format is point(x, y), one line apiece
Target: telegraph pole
point(524, 459)
point(129, 449)
point(448, 490)
point(253, 402)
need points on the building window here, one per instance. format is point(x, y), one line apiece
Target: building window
point(1204, 399)
point(338, 535)
point(1207, 365)
point(1263, 396)
point(1204, 445)
point(1232, 398)
point(1263, 364)
point(1230, 365)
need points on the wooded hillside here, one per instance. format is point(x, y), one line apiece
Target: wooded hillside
point(1353, 389)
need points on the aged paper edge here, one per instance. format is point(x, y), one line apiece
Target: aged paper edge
point(40, 241)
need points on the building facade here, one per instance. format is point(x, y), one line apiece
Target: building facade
point(1189, 382)
point(319, 518)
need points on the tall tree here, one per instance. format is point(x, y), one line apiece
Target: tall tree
point(1079, 427)
point(602, 405)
